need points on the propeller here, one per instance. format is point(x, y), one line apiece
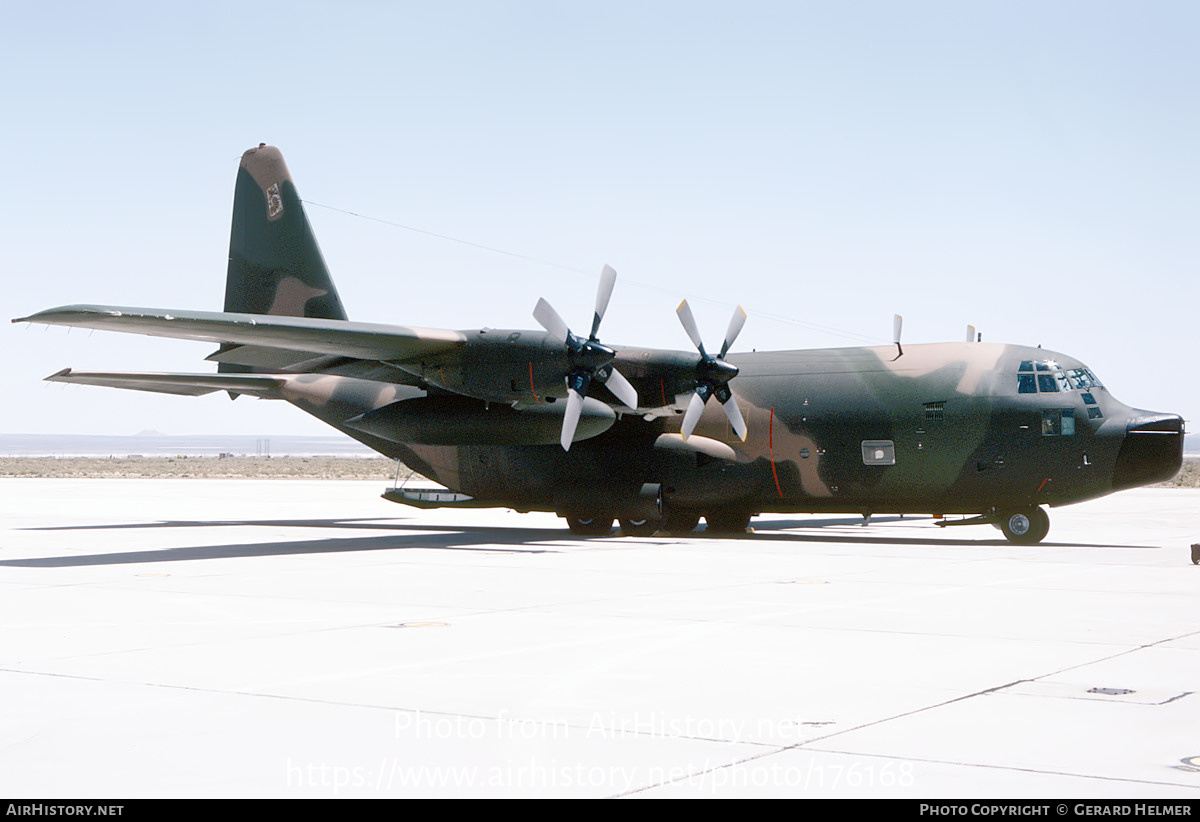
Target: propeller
point(588, 357)
point(712, 373)
point(897, 325)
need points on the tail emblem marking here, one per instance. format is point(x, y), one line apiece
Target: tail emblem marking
point(274, 202)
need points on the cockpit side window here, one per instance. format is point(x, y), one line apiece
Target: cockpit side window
point(1058, 422)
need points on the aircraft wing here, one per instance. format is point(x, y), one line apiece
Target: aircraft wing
point(486, 365)
point(337, 338)
point(191, 385)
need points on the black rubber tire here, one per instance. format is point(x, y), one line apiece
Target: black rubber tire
point(727, 521)
point(681, 522)
point(1025, 526)
point(596, 526)
point(640, 527)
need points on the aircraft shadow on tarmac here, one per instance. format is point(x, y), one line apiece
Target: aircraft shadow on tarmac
point(490, 539)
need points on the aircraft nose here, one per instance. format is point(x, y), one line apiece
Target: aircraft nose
point(1152, 450)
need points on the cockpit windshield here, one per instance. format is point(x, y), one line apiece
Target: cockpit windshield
point(1047, 377)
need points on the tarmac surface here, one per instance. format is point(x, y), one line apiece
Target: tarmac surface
point(274, 638)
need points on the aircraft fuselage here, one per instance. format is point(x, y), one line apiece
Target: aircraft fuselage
point(951, 428)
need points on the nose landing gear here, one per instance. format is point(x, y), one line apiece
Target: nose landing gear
point(1024, 526)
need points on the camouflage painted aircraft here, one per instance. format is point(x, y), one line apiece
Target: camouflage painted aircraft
point(552, 420)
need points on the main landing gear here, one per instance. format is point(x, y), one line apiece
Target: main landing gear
point(593, 526)
point(677, 522)
point(671, 522)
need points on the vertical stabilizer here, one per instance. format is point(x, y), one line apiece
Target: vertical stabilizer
point(275, 266)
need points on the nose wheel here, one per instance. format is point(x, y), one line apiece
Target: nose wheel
point(1024, 526)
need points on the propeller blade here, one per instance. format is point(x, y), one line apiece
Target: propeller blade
point(689, 325)
point(897, 323)
point(621, 389)
point(608, 279)
point(571, 418)
point(694, 410)
point(735, 418)
point(970, 333)
point(549, 319)
point(735, 327)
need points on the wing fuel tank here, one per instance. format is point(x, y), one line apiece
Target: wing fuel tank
point(462, 421)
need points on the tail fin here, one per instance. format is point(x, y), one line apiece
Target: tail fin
point(275, 266)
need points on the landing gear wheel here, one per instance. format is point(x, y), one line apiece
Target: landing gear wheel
point(681, 522)
point(595, 526)
point(1026, 526)
point(1196, 553)
point(727, 522)
point(639, 527)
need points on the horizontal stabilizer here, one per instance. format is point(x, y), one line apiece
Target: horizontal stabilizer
point(188, 385)
point(367, 341)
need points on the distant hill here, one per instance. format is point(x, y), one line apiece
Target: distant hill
point(167, 445)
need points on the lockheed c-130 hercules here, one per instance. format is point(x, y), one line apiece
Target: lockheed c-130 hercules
point(553, 420)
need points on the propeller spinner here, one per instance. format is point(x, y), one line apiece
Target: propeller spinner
point(588, 357)
point(712, 373)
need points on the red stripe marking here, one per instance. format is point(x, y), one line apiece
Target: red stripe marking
point(531, 389)
point(771, 446)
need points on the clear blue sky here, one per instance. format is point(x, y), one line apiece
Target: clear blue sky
point(1028, 167)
